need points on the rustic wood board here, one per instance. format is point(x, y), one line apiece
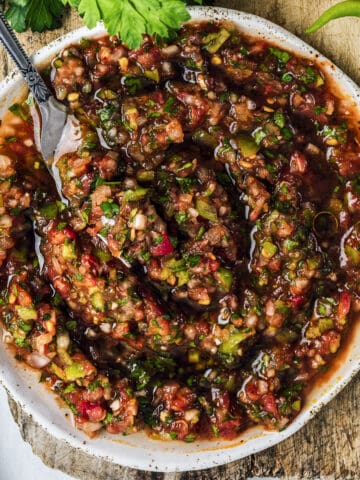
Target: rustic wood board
point(328, 447)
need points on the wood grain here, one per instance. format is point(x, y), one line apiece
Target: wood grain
point(328, 447)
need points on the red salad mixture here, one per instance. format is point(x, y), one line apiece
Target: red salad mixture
point(203, 267)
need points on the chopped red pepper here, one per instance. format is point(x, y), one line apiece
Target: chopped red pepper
point(297, 300)
point(344, 304)
point(269, 403)
point(69, 233)
point(163, 248)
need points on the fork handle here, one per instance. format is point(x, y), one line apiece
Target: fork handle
point(27, 69)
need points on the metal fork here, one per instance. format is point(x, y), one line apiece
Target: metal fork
point(53, 113)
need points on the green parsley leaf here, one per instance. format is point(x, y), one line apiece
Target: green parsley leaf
point(130, 19)
point(19, 111)
point(16, 14)
point(282, 56)
point(39, 15)
point(110, 209)
point(279, 119)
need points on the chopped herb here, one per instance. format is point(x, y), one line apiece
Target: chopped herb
point(19, 111)
point(287, 77)
point(170, 106)
point(281, 55)
point(133, 84)
point(71, 324)
point(110, 209)
point(279, 119)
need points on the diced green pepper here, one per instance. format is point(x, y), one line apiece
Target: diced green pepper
point(68, 251)
point(325, 324)
point(98, 302)
point(258, 134)
point(176, 265)
point(206, 209)
point(247, 145)
point(70, 388)
point(103, 255)
point(74, 371)
point(203, 137)
point(312, 263)
point(26, 313)
point(214, 41)
point(49, 211)
point(134, 195)
point(193, 356)
point(25, 326)
point(225, 278)
point(231, 345)
point(64, 357)
point(279, 119)
point(145, 175)
point(290, 244)
point(281, 55)
point(353, 254)
point(313, 331)
point(268, 250)
point(110, 208)
point(296, 405)
point(183, 278)
point(59, 372)
point(230, 384)
point(153, 75)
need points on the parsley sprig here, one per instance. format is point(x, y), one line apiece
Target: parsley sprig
point(129, 19)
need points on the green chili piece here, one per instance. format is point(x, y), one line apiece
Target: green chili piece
point(25, 326)
point(231, 345)
point(281, 55)
point(98, 302)
point(193, 356)
point(203, 137)
point(68, 251)
point(353, 254)
point(225, 278)
point(200, 233)
point(183, 278)
point(74, 371)
point(176, 265)
point(206, 209)
point(325, 324)
point(145, 175)
point(349, 8)
point(214, 41)
point(103, 255)
point(247, 145)
point(49, 211)
point(26, 313)
point(134, 195)
point(268, 250)
point(312, 332)
point(59, 372)
point(296, 405)
point(153, 75)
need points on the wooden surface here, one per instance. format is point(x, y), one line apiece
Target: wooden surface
point(328, 447)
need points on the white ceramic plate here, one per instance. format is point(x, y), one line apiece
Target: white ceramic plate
point(138, 451)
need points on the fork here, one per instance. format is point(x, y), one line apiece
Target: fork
point(53, 113)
